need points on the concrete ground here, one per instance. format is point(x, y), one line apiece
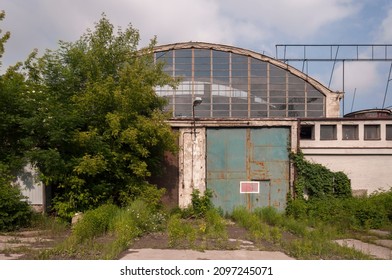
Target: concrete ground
point(379, 246)
point(159, 254)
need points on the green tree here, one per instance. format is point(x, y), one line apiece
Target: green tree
point(14, 211)
point(12, 111)
point(97, 124)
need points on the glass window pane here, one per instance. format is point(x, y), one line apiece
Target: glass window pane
point(372, 132)
point(350, 132)
point(389, 132)
point(328, 132)
point(314, 114)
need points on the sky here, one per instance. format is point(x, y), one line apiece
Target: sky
point(257, 25)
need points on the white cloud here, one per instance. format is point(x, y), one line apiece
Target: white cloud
point(364, 78)
point(386, 30)
point(297, 19)
point(45, 22)
point(360, 75)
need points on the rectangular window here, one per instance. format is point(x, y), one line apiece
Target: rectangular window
point(372, 132)
point(350, 132)
point(389, 132)
point(307, 132)
point(327, 132)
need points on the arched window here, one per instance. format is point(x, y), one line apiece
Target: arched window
point(235, 85)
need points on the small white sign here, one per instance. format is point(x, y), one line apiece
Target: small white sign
point(249, 187)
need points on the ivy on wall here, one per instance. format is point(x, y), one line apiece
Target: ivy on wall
point(314, 180)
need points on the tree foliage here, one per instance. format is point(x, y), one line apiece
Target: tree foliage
point(96, 125)
point(15, 211)
point(12, 112)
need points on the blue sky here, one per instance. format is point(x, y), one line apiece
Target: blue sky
point(257, 25)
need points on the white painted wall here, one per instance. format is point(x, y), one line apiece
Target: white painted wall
point(192, 163)
point(366, 172)
point(368, 163)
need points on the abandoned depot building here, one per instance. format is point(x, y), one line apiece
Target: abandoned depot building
point(239, 114)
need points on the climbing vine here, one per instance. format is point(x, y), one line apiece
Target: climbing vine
point(317, 181)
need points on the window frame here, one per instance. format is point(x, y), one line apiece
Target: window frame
point(334, 132)
point(311, 128)
point(388, 129)
point(356, 132)
point(365, 135)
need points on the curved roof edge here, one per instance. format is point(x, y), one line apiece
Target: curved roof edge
point(370, 113)
point(219, 47)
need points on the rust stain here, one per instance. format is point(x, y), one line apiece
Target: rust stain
point(248, 201)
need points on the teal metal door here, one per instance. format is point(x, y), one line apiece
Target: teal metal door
point(248, 167)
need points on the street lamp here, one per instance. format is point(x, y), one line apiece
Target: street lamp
point(196, 102)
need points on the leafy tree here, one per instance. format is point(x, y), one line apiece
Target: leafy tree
point(14, 211)
point(97, 125)
point(4, 38)
point(12, 112)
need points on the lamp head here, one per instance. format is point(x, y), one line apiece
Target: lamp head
point(197, 101)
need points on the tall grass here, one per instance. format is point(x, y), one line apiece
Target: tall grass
point(197, 233)
point(354, 213)
point(117, 227)
point(307, 243)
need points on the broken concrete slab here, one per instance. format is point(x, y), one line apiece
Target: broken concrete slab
point(169, 254)
point(376, 251)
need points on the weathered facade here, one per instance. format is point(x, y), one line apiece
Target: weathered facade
point(239, 114)
point(242, 161)
point(254, 111)
point(362, 148)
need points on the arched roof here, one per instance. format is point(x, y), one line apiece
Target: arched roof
point(290, 107)
point(219, 47)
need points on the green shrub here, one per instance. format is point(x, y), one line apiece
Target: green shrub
point(383, 199)
point(146, 219)
point(315, 180)
point(125, 228)
point(180, 232)
point(215, 225)
point(201, 204)
point(297, 208)
point(369, 213)
point(146, 192)
point(344, 213)
point(15, 212)
point(269, 215)
point(94, 222)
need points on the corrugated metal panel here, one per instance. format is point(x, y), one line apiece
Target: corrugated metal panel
point(248, 154)
point(31, 186)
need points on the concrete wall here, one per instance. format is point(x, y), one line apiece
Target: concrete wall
point(366, 162)
point(368, 173)
point(192, 163)
point(333, 105)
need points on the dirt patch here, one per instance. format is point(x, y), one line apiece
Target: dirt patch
point(238, 238)
point(27, 244)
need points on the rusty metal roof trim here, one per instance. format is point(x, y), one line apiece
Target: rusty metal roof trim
point(226, 48)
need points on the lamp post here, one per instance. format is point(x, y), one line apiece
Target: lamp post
point(195, 103)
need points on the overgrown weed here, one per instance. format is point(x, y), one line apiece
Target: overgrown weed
point(103, 233)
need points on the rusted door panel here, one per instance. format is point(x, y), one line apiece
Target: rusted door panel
point(269, 159)
point(225, 166)
point(248, 154)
